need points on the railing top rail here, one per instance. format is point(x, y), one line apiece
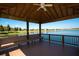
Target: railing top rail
point(61, 35)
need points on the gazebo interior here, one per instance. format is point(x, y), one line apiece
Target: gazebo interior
point(39, 13)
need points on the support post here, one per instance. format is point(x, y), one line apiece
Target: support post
point(40, 31)
point(49, 38)
point(62, 40)
point(27, 32)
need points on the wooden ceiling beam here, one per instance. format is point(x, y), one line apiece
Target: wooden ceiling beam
point(27, 11)
point(21, 10)
point(69, 5)
point(50, 14)
point(64, 18)
point(75, 10)
point(70, 11)
point(15, 11)
point(34, 13)
point(61, 11)
point(55, 10)
point(58, 11)
point(45, 14)
point(8, 11)
point(66, 11)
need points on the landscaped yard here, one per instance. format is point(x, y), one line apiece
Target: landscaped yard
point(12, 33)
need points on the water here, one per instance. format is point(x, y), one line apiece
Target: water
point(68, 40)
point(65, 32)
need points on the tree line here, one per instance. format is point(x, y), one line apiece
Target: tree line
point(8, 28)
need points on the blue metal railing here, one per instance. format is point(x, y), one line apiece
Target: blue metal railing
point(62, 39)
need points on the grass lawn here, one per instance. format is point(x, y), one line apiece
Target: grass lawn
point(11, 33)
point(5, 34)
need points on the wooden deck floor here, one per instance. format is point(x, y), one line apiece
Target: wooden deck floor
point(44, 49)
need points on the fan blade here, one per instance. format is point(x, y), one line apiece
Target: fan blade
point(45, 9)
point(38, 8)
point(49, 5)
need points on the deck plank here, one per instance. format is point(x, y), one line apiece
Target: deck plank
point(44, 49)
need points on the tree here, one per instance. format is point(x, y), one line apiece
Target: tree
point(1, 28)
point(20, 29)
point(16, 28)
point(8, 28)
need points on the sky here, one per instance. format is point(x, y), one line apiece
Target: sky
point(65, 24)
point(12, 23)
point(69, 23)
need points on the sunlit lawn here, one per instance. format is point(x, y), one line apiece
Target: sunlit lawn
point(12, 33)
point(5, 34)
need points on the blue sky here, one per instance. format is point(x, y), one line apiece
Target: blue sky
point(70, 23)
point(12, 23)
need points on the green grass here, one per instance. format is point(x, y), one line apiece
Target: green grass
point(11, 33)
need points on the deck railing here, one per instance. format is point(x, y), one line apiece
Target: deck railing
point(19, 39)
point(55, 38)
point(62, 39)
point(51, 38)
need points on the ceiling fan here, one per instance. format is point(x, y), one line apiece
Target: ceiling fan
point(43, 6)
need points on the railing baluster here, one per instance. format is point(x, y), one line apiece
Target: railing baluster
point(63, 40)
point(49, 38)
point(70, 39)
point(74, 40)
point(78, 41)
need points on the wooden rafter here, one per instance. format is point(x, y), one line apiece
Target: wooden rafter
point(61, 10)
point(28, 12)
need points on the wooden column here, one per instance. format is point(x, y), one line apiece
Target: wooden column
point(40, 31)
point(49, 38)
point(28, 32)
point(62, 40)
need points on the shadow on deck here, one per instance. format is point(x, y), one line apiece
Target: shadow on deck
point(44, 49)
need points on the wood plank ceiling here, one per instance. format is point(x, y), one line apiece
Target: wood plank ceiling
point(28, 12)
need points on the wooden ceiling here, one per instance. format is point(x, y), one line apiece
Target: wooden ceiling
point(28, 12)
